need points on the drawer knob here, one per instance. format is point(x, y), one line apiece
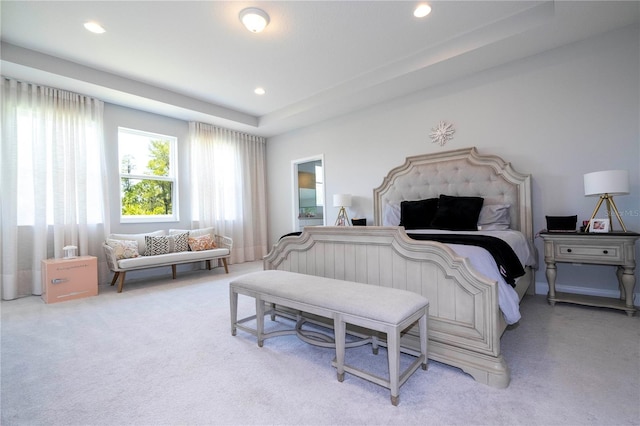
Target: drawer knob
point(568, 250)
point(605, 251)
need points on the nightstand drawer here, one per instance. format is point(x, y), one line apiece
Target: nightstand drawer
point(587, 252)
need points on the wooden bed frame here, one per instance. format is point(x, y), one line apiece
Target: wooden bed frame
point(465, 322)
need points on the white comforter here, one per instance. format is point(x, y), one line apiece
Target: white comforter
point(484, 263)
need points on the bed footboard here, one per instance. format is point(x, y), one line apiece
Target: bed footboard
point(465, 319)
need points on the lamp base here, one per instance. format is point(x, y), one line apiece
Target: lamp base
point(611, 205)
point(342, 219)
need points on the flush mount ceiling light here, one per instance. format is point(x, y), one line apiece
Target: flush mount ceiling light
point(259, 91)
point(422, 11)
point(94, 27)
point(254, 19)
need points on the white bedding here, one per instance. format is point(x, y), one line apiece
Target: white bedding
point(484, 263)
point(516, 240)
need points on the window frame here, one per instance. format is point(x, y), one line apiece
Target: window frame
point(173, 178)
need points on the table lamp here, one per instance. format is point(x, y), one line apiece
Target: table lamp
point(606, 184)
point(342, 201)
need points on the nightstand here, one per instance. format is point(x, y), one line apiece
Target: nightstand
point(611, 248)
point(68, 279)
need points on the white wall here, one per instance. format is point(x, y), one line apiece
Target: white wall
point(556, 116)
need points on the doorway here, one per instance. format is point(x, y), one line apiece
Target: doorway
point(308, 192)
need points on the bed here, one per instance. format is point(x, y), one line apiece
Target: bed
point(471, 304)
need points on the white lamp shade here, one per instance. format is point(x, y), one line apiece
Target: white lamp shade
point(612, 182)
point(342, 200)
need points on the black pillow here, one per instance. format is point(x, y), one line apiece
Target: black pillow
point(418, 214)
point(457, 213)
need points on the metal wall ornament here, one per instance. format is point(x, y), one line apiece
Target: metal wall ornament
point(442, 133)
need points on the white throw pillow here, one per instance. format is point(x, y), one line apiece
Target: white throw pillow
point(391, 215)
point(123, 249)
point(494, 217)
point(139, 238)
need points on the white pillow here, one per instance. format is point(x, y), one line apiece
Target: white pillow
point(139, 238)
point(494, 217)
point(123, 249)
point(391, 215)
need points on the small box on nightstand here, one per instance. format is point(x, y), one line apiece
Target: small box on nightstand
point(68, 279)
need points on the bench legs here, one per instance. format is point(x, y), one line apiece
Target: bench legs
point(233, 309)
point(424, 338)
point(393, 332)
point(115, 277)
point(120, 275)
point(260, 321)
point(396, 378)
point(393, 352)
point(259, 317)
point(224, 263)
point(121, 283)
point(340, 330)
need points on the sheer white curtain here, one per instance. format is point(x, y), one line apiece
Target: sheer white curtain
point(229, 187)
point(52, 163)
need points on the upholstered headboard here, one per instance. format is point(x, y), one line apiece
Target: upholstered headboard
point(462, 172)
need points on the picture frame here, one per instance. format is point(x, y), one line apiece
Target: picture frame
point(599, 225)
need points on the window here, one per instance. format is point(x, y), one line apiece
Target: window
point(148, 176)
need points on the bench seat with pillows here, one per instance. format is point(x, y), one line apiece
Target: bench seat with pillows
point(129, 252)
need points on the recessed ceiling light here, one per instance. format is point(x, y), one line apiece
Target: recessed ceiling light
point(422, 11)
point(94, 27)
point(259, 91)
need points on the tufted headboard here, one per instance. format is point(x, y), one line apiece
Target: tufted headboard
point(462, 172)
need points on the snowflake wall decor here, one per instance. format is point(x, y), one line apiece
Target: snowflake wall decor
point(442, 133)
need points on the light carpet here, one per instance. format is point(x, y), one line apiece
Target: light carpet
point(161, 353)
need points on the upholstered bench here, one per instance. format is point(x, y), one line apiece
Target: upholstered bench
point(383, 309)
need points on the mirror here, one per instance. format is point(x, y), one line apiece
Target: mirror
point(308, 179)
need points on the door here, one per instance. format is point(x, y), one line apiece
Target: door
point(308, 192)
